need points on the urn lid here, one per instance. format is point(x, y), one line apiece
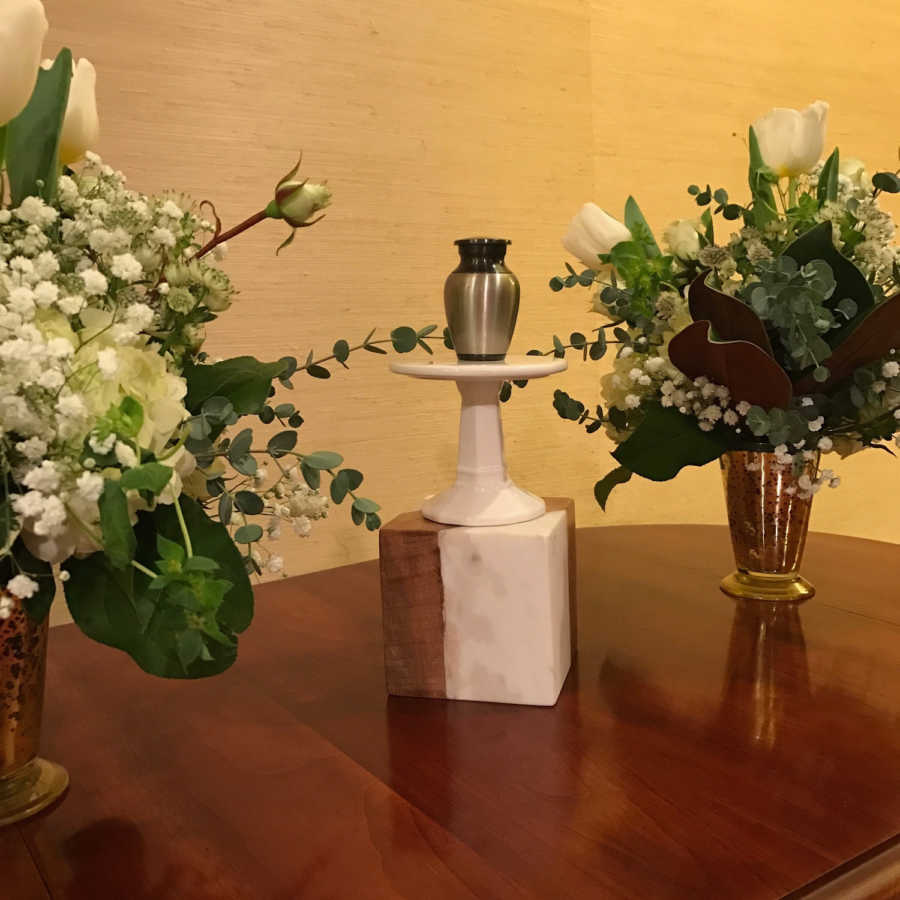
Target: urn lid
point(493, 249)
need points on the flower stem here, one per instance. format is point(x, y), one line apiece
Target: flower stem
point(142, 568)
point(184, 532)
point(214, 242)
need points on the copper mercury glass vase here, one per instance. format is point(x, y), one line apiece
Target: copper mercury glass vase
point(27, 783)
point(768, 513)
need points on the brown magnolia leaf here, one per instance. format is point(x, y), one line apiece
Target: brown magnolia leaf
point(732, 319)
point(875, 336)
point(747, 371)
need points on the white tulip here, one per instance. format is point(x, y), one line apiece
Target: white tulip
point(593, 232)
point(682, 239)
point(791, 141)
point(22, 29)
point(81, 126)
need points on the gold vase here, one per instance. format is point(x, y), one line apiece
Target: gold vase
point(27, 783)
point(768, 513)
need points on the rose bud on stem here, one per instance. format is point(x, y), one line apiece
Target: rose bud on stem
point(295, 202)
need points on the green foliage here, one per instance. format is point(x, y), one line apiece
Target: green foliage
point(323, 459)
point(119, 541)
point(151, 620)
point(404, 339)
point(281, 444)
point(760, 178)
point(603, 488)
point(667, 441)
point(566, 407)
point(827, 189)
point(32, 138)
point(243, 381)
point(151, 477)
point(640, 228)
point(889, 182)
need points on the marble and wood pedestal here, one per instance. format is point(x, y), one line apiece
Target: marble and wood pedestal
point(479, 613)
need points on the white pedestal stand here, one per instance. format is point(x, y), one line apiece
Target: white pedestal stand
point(483, 493)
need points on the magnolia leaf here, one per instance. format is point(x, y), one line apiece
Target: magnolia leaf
point(667, 441)
point(244, 381)
point(872, 338)
point(732, 319)
point(604, 486)
point(748, 372)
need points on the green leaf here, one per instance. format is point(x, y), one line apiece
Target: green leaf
point(357, 515)
point(706, 220)
point(639, 227)
point(598, 348)
point(404, 339)
point(151, 477)
point(247, 534)
point(284, 410)
point(296, 420)
point(200, 564)
point(424, 332)
point(323, 459)
point(374, 348)
point(318, 372)
point(828, 179)
point(116, 607)
point(665, 442)
point(267, 415)
point(559, 349)
point(239, 449)
point(32, 138)
point(189, 644)
point(364, 505)
point(249, 503)
point(505, 391)
point(341, 351)
point(373, 522)
point(119, 542)
point(556, 283)
point(849, 281)
point(313, 477)
point(888, 182)
point(760, 184)
point(339, 487)
point(354, 478)
point(226, 507)
point(244, 381)
point(281, 443)
point(169, 550)
point(604, 486)
point(577, 340)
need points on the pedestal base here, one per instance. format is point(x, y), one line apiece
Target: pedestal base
point(479, 613)
point(480, 505)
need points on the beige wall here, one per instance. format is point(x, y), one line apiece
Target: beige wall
point(440, 119)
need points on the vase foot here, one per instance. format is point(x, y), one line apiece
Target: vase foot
point(31, 789)
point(788, 589)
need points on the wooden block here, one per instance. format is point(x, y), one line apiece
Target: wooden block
point(479, 613)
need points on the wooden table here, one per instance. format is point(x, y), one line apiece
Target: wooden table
point(700, 750)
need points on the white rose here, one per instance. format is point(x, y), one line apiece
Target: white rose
point(298, 201)
point(791, 141)
point(81, 126)
point(22, 29)
point(682, 239)
point(593, 232)
point(854, 170)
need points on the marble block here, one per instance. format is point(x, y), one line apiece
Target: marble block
point(479, 613)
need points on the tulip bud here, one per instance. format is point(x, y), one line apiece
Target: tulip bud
point(593, 232)
point(791, 141)
point(299, 201)
point(23, 25)
point(81, 126)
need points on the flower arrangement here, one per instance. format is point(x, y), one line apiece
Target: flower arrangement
point(130, 470)
point(783, 335)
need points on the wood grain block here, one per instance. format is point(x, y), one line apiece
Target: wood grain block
point(483, 613)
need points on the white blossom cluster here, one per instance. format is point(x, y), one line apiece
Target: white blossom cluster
point(100, 294)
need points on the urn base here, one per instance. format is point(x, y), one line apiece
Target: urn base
point(30, 789)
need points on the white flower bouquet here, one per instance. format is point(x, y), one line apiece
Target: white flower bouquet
point(784, 335)
point(129, 472)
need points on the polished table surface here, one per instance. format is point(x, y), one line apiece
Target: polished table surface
point(700, 749)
